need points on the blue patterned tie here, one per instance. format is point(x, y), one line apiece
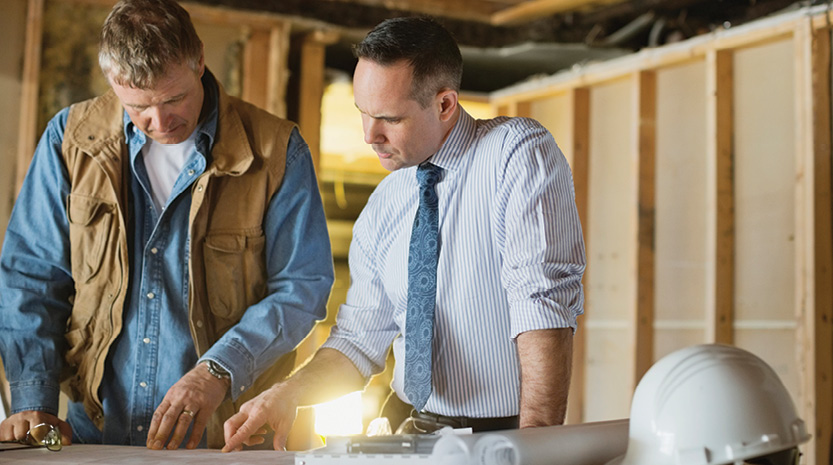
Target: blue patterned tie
point(422, 288)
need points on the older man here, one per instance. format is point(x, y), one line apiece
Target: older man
point(168, 247)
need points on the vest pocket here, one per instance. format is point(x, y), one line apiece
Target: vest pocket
point(90, 222)
point(235, 273)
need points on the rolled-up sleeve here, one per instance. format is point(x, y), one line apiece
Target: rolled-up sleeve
point(543, 246)
point(365, 325)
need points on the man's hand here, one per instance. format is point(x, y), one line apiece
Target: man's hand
point(195, 397)
point(326, 376)
point(16, 426)
point(274, 406)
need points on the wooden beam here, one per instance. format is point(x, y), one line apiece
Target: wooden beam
point(720, 198)
point(533, 9)
point(512, 108)
point(27, 131)
point(750, 34)
point(814, 240)
point(470, 10)
point(277, 74)
point(218, 15)
point(523, 109)
point(232, 17)
point(820, 321)
point(265, 72)
point(646, 94)
point(580, 168)
point(313, 53)
point(256, 67)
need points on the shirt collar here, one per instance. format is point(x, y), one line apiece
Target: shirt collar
point(449, 156)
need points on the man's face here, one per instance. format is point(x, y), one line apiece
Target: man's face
point(401, 132)
point(170, 111)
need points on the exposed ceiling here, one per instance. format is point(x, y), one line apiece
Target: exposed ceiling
point(506, 41)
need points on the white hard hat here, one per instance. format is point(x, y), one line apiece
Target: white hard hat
point(707, 405)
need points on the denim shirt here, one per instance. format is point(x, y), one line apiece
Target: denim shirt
point(155, 348)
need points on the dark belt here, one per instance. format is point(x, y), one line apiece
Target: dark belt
point(476, 424)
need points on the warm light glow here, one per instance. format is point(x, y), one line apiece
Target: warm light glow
point(340, 417)
point(342, 138)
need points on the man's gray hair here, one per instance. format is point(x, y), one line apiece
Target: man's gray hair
point(141, 39)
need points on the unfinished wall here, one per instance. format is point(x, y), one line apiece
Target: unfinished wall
point(706, 175)
point(681, 206)
point(765, 226)
point(556, 114)
point(611, 289)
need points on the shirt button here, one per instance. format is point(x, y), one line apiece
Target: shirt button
point(154, 250)
point(242, 388)
point(151, 295)
point(146, 340)
point(199, 188)
point(190, 172)
point(143, 384)
point(199, 323)
point(140, 428)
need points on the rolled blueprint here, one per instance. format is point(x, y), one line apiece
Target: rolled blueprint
point(582, 444)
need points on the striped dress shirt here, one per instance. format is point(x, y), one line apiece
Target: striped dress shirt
point(511, 260)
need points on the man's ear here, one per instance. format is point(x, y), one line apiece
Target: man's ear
point(202, 60)
point(448, 103)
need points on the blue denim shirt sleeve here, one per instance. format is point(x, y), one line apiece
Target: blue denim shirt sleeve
point(36, 280)
point(300, 267)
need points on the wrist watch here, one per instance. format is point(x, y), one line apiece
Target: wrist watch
point(215, 370)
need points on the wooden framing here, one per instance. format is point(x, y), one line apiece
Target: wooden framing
point(525, 11)
point(580, 167)
point(264, 81)
point(313, 53)
point(814, 257)
point(257, 46)
point(819, 320)
point(769, 29)
point(27, 137)
point(720, 192)
point(643, 321)
point(810, 30)
point(471, 10)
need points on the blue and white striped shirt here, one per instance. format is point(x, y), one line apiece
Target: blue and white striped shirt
point(511, 260)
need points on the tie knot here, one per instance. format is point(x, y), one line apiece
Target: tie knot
point(428, 174)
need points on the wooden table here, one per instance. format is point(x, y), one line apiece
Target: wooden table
point(96, 454)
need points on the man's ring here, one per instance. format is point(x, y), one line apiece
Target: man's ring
point(190, 413)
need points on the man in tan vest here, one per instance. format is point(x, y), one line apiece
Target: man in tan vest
point(167, 252)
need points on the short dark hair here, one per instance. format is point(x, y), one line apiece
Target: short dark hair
point(140, 39)
point(428, 47)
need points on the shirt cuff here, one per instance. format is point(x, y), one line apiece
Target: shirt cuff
point(540, 314)
point(237, 361)
point(41, 396)
point(364, 364)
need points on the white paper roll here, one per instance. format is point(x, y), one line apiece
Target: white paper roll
point(583, 444)
point(454, 449)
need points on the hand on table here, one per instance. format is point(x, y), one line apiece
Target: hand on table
point(194, 397)
point(273, 407)
point(16, 426)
